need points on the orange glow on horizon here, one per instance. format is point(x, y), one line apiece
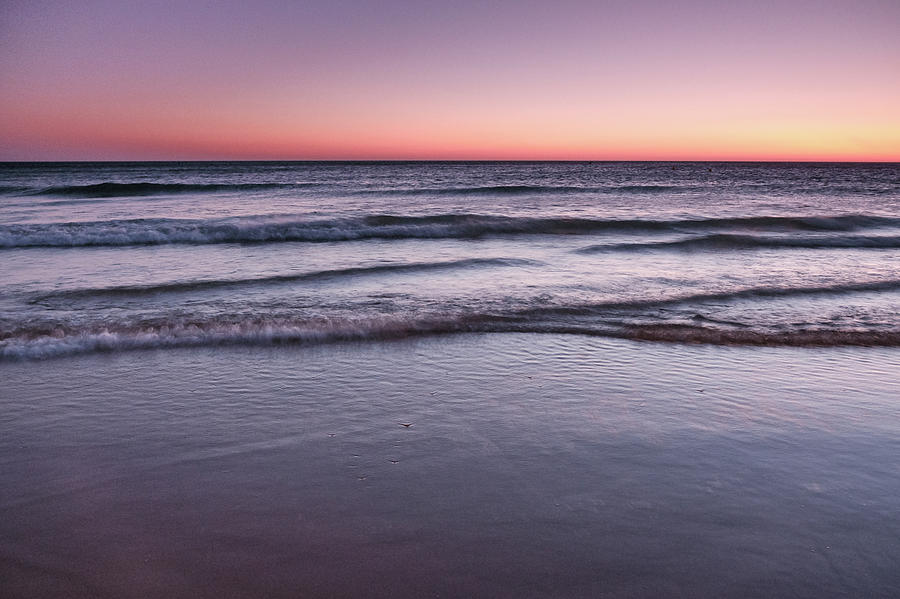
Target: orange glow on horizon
point(491, 139)
point(272, 124)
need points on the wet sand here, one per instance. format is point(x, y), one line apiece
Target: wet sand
point(533, 466)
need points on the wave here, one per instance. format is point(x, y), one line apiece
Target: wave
point(797, 338)
point(266, 229)
point(11, 189)
point(526, 189)
point(726, 241)
point(623, 319)
point(141, 290)
point(111, 189)
point(590, 309)
point(836, 223)
point(601, 308)
point(47, 342)
point(492, 190)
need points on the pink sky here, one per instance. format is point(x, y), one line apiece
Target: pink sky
point(503, 80)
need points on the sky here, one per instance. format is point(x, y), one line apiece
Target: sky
point(635, 80)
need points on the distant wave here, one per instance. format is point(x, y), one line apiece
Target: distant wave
point(725, 241)
point(140, 290)
point(525, 189)
point(8, 189)
point(111, 189)
point(118, 189)
point(263, 229)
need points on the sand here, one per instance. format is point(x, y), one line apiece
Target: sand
point(532, 466)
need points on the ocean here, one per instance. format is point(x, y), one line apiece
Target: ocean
point(548, 379)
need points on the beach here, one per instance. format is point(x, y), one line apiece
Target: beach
point(534, 465)
point(449, 379)
point(476, 300)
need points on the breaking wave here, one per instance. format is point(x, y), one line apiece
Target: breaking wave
point(623, 319)
point(47, 341)
point(257, 331)
point(263, 229)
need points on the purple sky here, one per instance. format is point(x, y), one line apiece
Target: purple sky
point(156, 80)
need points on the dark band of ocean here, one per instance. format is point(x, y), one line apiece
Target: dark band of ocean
point(493, 379)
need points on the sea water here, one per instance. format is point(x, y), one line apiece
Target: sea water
point(121, 256)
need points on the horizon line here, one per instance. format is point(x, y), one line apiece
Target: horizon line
point(474, 160)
